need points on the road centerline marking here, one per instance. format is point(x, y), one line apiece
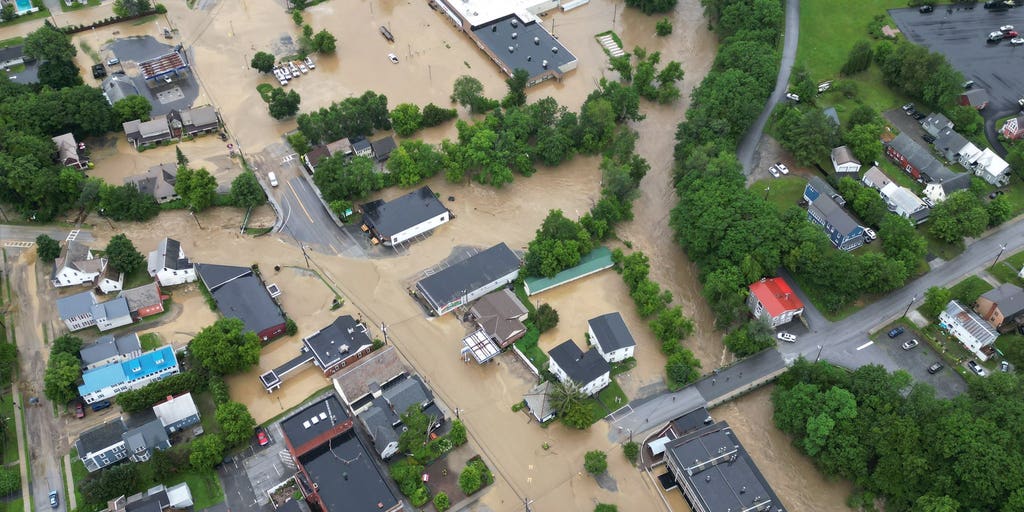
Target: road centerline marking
point(297, 198)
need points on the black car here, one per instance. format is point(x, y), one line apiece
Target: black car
point(928, 138)
point(919, 116)
point(895, 332)
point(925, 9)
point(99, 71)
point(935, 367)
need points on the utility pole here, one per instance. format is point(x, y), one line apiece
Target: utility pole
point(1002, 247)
point(194, 216)
point(817, 357)
point(384, 329)
point(912, 301)
point(615, 11)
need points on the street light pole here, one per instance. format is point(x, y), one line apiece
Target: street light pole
point(817, 357)
point(766, 189)
point(1002, 247)
point(912, 301)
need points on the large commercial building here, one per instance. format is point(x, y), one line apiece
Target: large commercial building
point(469, 279)
point(511, 35)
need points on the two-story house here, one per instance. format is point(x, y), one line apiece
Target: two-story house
point(610, 336)
point(903, 202)
point(773, 300)
point(169, 265)
point(109, 380)
point(1002, 307)
point(82, 310)
point(110, 349)
point(76, 266)
point(587, 370)
point(825, 208)
point(177, 413)
point(939, 191)
point(133, 439)
point(975, 334)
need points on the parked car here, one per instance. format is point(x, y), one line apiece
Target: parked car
point(968, 84)
point(79, 410)
point(787, 337)
point(782, 167)
point(995, 194)
point(310, 64)
point(774, 171)
point(929, 138)
point(935, 367)
point(793, 97)
point(1012, 33)
point(113, 62)
point(895, 332)
point(54, 501)
point(995, 37)
point(925, 9)
point(1006, 28)
point(393, 58)
point(1004, 367)
point(99, 406)
point(870, 233)
point(976, 368)
point(912, 111)
point(908, 107)
point(1017, 40)
point(261, 437)
point(919, 116)
point(910, 344)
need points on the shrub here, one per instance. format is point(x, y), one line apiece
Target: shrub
point(457, 435)
point(441, 502)
point(631, 450)
point(290, 329)
point(663, 27)
point(545, 317)
point(595, 462)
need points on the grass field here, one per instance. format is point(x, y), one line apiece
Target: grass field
point(150, 341)
point(10, 438)
point(971, 285)
point(612, 397)
point(78, 474)
point(1006, 270)
point(41, 13)
point(783, 192)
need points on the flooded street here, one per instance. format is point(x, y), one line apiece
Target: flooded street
point(800, 486)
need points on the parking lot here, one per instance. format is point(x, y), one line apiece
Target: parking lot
point(960, 34)
point(917, 360)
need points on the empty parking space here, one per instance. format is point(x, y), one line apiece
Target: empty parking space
point(917, 359)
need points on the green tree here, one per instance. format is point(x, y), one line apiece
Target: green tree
point(516, 83)
point(663, 27)
point(652, 6)
point(47, 248)
point(967, 119)
point(60, 382)
point(297, 17)
point(682, 368)
point(631, 450)
point(605, 507)
point(341, 178)
point(128, 8)
point(623, 66)
point(901, 241)
point(263, 61)
point(859, 59)
point(123, 256)
point(324, 42)
point(961, 214)
point(935, 300)
point(457, 434)
point(235, 422)
point(751, 338)
point(180, 156)
point(58, 74)
point(127, 203)
point(809, 135)
point(131, 108)
point(8, 13)
point(10, 481)
point(117, 480)
point(544, 317)
point(467, 91)
point(595, 462)
point(936, 504)
point(246, 191)
point(196, 187)
point(413, 161)
point(671, 325)
point(434, 115)
point(406, 118)
point(225, 347)
point(48, 43)
point(66, 344)
point(803, 86)
point(283, 104)
point(999, 211)
point(571, 405)
point(441, 502)
point(207, 451)
point(864, 142)
point(470, 479)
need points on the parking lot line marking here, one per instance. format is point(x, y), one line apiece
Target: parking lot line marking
point(300, 203)
point(866, 345)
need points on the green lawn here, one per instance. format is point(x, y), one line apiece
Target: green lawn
point(41, 13)
point(207, 409)
point(970, 285)
point(827, 33)
point(78, 474)
point(782, 192)
point(10, 438)
point(150, 341)
point(1006, 270)
point(138, 278)
point(13, 41)
point(608, 396)
point(898, 176)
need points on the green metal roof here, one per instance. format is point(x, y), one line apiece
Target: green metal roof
point(598, 259)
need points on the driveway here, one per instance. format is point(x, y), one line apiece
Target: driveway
point(960, 34)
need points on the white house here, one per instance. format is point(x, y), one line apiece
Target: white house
point(975, 334)
point(843, 161)
point(76, 266)
point(82, 310)
point(991, 168)
point(903, 202)
point(110, 280)
point(169, 265)
point(611, 337)
point(110, 349)
point(110, 380)
point(588, 370)
point(177, 413)
point(402, 218)
point(938, 191)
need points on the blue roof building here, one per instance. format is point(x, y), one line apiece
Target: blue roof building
point(109, 380)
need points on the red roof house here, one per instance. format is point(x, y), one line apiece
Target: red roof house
point(775, 301)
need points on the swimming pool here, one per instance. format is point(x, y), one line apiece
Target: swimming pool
point(23, 6)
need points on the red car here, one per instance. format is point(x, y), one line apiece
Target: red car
point(79, 410)
point(1012, 33)
point(261, 437)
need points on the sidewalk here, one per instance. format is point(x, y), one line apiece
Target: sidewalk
point(22, 450)
point(69, 489)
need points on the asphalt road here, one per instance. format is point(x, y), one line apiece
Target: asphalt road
point(960, 35)
point(10, 235)
point(747, 146)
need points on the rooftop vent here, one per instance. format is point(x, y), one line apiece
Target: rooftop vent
point(544, 64)
point(536, 41)
point(305, 424)
point(494, 28)
point(515, 35)
point(515, 23)
point(314, 420)
point(323, 415)
point(554, 49)
point(511, 49)
point(529, 58)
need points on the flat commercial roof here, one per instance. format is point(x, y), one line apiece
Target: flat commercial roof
point(532, 47)
point(468, 275)
point(343, 337)
point(346, 476)
point(305, 425)
point(399, 214)
point(164, 64)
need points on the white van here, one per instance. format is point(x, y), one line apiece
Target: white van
point(273, 179)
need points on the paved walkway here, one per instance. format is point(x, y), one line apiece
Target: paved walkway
point(69, 488)
point(22, 450)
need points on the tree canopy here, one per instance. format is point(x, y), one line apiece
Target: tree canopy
point(196, 187)
point(123, 255)
point(225, 347)
point(246, 191)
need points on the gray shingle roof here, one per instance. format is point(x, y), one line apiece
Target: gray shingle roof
point(378, 423)
point(74, 305)
point(98, 438)
point(407, 393)
point(109, 346)
point(581, 367)
point(141, 296)
point(399, 214)
point(921, 158)
point(611, 331)
point(114, 308)
point(834, 214)
point(343, 337)
point(214, 276)
point(1009, 298)
point(468, 275)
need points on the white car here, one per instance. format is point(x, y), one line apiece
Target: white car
point(792, 97)
point(272, 178)
point(976, 368)
point(1006, 28)
point(870, 233)
point(910, 344)
point(782, 167)
point(787, 337)
point(310, 64)
point(1017, 40)
point(774, 171)
point(393, 58)
point(303, 68)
